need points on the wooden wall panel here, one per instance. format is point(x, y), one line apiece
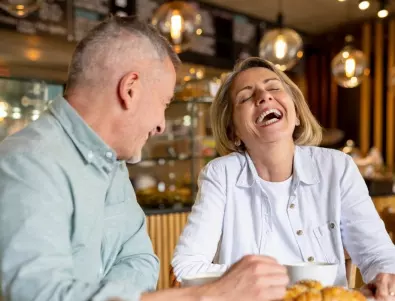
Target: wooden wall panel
point(390, 125)
point(164, 231)
point(365, 120)
point(378, 85)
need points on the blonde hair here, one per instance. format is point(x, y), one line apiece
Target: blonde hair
point(309, 132)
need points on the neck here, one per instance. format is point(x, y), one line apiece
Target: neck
point(274, 161)
point(96, 112)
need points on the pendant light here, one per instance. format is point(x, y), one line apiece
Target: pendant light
point(20, 8)
point(179, 22)
point(349, 66)
point(282, 46)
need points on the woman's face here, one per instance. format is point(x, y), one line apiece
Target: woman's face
point(264, 112)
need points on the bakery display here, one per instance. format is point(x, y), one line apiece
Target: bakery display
point(311, 290)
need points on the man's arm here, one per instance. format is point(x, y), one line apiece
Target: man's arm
point(35, 250)
point(136, 264)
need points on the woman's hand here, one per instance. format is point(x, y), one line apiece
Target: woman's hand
point(381, 288)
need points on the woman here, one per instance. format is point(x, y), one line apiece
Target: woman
point(274, 193)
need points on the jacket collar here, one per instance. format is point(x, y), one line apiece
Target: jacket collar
point(305, 169)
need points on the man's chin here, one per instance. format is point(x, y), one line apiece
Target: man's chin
point(134, 160)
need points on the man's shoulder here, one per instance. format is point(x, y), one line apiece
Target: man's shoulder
point(41, 140)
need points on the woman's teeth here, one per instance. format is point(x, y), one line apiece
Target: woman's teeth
point(268, 117)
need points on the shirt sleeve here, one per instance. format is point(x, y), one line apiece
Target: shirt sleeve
point(35, 249)
point(363, 232)
point(199, 240)
point(136, 264)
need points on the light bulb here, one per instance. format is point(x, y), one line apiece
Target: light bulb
point(179, 22)
point(176, 26)
point(382, 13)
point(280, 47)
point(363, 5)
point(20, 8)
point(350, 67)
point(3, 110)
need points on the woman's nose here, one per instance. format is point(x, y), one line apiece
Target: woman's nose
point(264, 96)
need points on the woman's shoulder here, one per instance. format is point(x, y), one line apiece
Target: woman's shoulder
point(327, 157)
point(233, 160)
point(324, 153)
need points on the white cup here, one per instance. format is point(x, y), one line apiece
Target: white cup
point(200, 279)
point(323, 272)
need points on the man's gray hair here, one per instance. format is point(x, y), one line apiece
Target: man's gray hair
point(113, 44)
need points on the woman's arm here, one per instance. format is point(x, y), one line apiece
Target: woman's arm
point(199, 241)
point(363, 232)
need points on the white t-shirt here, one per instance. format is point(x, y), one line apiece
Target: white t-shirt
point(281, 243)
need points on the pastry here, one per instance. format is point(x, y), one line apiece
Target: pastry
point(294, 291)
point(311, 284)
point(312, 295)
point(311, 290)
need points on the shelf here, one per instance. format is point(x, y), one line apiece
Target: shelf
point(150, 162)
point(199, 100)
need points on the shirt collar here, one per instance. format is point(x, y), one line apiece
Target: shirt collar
point(305, 169)
point(91, 147)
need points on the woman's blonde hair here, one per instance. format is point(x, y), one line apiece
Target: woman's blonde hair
point(309, 132)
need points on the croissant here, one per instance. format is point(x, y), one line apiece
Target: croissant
point(310, 290)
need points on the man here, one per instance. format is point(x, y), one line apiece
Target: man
point(71, 228)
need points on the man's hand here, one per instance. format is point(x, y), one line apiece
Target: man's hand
point(255, 278)
point(382, 288)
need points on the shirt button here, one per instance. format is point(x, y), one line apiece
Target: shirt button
point(90, 155)
point(299, 232)
point(332, 225)
point(109, 155)
point(292, 206)
point(310, 259)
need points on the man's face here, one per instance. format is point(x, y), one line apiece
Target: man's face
point(154, 95)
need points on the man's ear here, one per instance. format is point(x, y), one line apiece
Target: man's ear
point(129, 89)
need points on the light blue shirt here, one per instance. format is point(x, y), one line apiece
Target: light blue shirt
point(329, 209)
point(71, 228)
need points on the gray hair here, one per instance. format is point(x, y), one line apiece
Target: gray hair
point(114, 44)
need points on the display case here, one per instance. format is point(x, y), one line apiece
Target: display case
point(22, 101)
point(167, 176)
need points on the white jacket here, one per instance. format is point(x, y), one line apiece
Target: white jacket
point(331, 205)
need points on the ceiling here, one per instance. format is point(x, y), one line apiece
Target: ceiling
point(310, 16)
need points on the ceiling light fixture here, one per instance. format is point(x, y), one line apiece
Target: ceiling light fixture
point(383, 12)
point(179, 22)
point(282, 46)
point(349, 66)
point(364, 4)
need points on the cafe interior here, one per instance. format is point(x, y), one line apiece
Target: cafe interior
point(341, 54)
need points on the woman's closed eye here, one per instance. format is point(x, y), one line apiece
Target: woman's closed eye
point(244, 98)
point(273, 88)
